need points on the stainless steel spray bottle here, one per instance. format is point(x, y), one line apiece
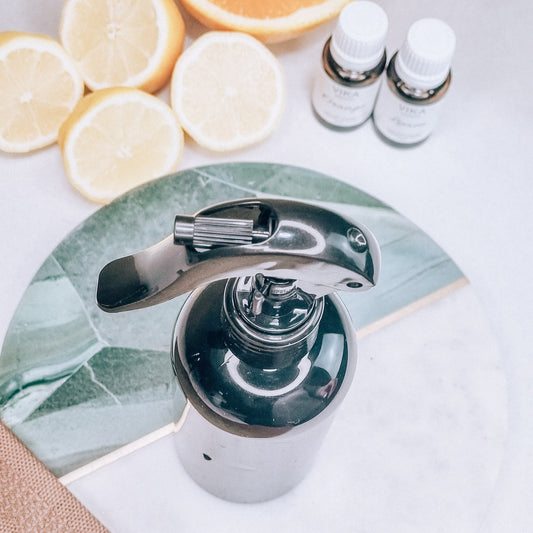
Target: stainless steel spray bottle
point(263, 349)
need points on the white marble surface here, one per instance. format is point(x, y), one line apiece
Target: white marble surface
point(416, 446)
point(469, 187)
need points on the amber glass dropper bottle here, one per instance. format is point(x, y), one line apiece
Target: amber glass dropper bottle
point(418, 76)
point(353, 60)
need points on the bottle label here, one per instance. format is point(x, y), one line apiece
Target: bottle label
point(341, 105)
point(403, 122)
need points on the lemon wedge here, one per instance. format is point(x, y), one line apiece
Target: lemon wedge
point(133, 43)
point(118, 138)
point(39, 87)
point(228, 91)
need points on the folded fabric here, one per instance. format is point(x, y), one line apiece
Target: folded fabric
point(32, 500)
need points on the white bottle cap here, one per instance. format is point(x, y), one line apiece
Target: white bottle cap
point(358, 41)
point(424, 59)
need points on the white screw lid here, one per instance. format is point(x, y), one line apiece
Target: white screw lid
point(424, 59)
point(358, 41)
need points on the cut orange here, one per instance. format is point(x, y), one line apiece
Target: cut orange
point(268, 20)
point(118, 138)
point(133, 43)
point(39, 87)
point(227, 90)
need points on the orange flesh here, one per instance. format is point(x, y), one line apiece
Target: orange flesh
point(261, 9)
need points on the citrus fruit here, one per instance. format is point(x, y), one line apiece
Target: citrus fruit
point(133, 43)
point(118, 138)
point(270, 21)
point(227, 90)
point(39, 87)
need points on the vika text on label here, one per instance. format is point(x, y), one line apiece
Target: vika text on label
point(341, 105)
point(402, 121)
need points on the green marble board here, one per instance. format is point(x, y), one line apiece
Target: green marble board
point(77, 383)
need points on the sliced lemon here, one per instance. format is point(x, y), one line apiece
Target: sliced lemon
point(227, 90)
point(118, 138)
point(133, 43)
point(39, 87)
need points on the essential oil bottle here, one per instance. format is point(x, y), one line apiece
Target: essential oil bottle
point(418, 76)
point(353, 60)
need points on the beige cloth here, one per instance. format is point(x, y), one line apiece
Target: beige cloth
point(32, 500)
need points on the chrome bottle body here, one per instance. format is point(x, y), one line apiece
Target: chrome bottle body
point(251, 433)
point(263, 349)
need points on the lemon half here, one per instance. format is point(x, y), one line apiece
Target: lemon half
point(39, 87)
point(133, 43)
point(228, 91)
point(118, 138)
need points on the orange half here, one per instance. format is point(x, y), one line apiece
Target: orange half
point(270, 21)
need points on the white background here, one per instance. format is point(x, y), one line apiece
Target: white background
point(469, 186)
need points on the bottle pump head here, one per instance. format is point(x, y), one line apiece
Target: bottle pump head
point(280, 258)
point(292, 248)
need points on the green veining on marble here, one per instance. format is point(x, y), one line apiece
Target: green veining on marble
point(282, 180)
point(412, 267)
point(76, 383)
point(49, 338)
point(111, 400)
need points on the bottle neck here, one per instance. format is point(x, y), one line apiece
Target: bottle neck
point(412, 94)
point(348, 77)
point(269, 323)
